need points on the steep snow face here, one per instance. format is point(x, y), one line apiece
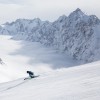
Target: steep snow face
point(77, 34)
point(76, 83)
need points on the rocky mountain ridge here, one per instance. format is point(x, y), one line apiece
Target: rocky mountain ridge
point(76, 35)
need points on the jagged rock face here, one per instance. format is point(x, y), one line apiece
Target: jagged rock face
point(77, 34)
point(79, 37)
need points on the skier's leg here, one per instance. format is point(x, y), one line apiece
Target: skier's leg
point(32, 76)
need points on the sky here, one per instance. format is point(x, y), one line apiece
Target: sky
point(11, 10)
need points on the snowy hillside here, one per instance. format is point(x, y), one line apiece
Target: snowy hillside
point(76, 35)
point(76, 83)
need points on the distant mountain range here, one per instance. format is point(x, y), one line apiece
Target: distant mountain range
point(77, 35)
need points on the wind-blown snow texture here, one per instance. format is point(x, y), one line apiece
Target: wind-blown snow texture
point(77, 34)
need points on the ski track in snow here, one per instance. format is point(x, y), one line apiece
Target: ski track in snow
point(18, 84)
point(14, 86)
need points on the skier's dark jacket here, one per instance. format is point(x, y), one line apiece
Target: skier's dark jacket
point(30, 73)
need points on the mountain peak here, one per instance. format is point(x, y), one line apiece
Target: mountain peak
point(77, 13)
point(78, 10)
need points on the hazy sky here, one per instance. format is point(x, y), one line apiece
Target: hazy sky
point(44, 9)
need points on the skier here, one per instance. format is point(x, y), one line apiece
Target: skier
point(31, 74)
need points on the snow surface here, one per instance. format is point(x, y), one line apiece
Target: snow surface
point(74, 83)
point(20, 56)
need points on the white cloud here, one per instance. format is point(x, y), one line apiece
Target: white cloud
point(44, 9)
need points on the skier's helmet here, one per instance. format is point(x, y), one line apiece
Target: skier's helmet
point(27, 71)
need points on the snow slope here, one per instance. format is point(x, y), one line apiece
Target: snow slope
point(20, 56)
point(75, 83)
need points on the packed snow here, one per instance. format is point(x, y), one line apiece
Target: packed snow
point(74, 83)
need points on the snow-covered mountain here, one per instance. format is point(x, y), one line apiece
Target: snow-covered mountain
point(76, 35)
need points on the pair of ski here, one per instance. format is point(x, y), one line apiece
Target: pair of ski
point(31, 78)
